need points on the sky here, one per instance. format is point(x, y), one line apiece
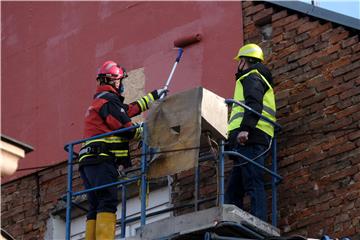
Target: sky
point(346, 7)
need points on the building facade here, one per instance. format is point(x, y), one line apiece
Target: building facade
point(314, 59)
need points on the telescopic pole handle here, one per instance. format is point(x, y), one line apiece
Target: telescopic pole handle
point(180, 52)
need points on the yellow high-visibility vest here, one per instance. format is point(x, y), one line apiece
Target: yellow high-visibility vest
point(269, 107)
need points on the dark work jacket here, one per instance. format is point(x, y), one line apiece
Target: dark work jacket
point(254, 90)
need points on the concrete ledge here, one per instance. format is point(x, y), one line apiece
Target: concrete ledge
point(195, 224)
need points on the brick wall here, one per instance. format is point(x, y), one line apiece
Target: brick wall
point(316, 68)
point(183, 188)
point(26, 203)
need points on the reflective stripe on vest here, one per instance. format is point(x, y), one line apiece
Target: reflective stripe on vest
point(269, 106)
point(145, 102)
point(115, 144)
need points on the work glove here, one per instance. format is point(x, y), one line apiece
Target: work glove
point(121, 172)
point(162, 92)
point(242, 137)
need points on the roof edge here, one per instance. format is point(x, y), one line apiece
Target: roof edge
point(319, 12)
point(27, 148)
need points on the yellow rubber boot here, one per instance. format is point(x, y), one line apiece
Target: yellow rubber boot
point(105, 226)
point(90, 229)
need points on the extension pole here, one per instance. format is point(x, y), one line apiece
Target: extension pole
point(163, 93)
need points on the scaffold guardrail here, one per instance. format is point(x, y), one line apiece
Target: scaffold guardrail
point(70, 194)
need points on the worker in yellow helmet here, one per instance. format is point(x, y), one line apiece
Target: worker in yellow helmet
point(249, 135)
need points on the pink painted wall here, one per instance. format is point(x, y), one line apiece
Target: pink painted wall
point(51, 50)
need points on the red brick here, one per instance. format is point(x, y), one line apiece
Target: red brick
point(349, 93)
point(253, 9)
point(247, 21)
point(250, 28)
point(354, 135)
point(349, 66)
point(332, 33)
point(338, 37)
point(315, 99)
point(354, 57)
point(331, 109)
point(317, 108)
point(357, 81)
point(246, 4)
point(345, 52)
point(324, 86)
point(277, 39)
point(285, 21)
point(321, 46)
point(320, 123)
point(310, 42)
point(294, 24)
point(341, 149)
point(286, 68)
point(347, 111)
point(263, 16)
point(356, 48)
point(339, 89)
point(309, 74)
point(276, 31)
point(185, 174)
point(350, 41)
point(289, 34)
point(287, 51)
point(253, 34)
point(332, 49)
point(301, 37)
point(320, 29)
point(307, 26)
point(300, 54)
point(279, 15)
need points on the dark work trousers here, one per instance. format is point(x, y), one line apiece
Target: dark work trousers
point(248, 178)
point(106, 199)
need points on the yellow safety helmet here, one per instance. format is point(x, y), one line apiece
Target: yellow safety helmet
point(250, 50)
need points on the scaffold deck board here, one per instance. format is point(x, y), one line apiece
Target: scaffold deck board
point(227, 220)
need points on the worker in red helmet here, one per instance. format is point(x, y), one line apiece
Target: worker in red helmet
point(101, 159)
point(249, 134)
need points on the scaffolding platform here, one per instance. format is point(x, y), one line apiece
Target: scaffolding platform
point(226, 220)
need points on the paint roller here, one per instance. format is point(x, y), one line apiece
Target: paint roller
point(188, 40)
point(180, 44)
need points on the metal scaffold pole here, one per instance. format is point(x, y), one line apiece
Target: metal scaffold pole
point(143, 177)
point(274, 181)
point(221, 174)
point(123, 210)
point(69, 192)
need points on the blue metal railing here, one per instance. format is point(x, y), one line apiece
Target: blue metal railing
point(275, 178)
point(143, 178)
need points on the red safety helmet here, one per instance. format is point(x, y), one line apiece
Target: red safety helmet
point(112, 70)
